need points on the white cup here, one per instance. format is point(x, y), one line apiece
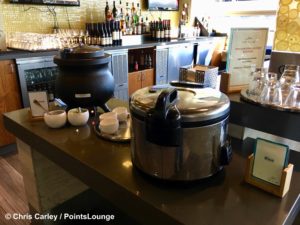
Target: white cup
point(78, 117)
point(109, 125)
point(55, 118)
point(122, 113)
point(108, 115)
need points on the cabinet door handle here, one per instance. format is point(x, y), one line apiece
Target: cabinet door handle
point(143, 76)
point(121, 85)
point(12, 68)
point(139, 77)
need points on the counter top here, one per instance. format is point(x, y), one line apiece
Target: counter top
point(106, 167)
point(129, 42)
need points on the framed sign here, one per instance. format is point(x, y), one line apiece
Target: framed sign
point(247, 47)
point(38, 101)
point(270, 159)
point(49, 2)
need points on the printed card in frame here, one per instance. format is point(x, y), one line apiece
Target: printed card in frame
point(247, 47)
point(270, 159)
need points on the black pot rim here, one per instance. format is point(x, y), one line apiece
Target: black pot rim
point(82, 62)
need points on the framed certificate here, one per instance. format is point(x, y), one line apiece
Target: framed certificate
point(247, 47)
point(270, 159)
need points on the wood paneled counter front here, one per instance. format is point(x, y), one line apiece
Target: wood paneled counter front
point(82, 159)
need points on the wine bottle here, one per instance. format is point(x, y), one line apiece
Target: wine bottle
point(114, 11)
point(109, 34)
point(114, 33)
point(106, 11)
point(120, 35)
point(105, 39)
point(162, 31)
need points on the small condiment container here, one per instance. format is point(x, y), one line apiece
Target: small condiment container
point(78, 116)
point(109, 125)
point(55, 118)
point(108, 115)
point(122, 113)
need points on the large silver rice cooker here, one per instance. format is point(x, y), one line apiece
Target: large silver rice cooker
point(179, 134)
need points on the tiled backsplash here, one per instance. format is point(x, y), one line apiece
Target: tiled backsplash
point(37, 18)
point(287, 36)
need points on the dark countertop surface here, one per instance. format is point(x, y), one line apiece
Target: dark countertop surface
point(106, 167)
point(129, 42)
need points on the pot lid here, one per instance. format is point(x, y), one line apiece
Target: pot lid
point(82, 52)
point(194, 105)
point(82, 55)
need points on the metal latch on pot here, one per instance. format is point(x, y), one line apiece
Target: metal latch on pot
point(163, 122)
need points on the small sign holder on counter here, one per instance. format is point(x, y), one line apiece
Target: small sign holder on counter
point(279, 185)
point(38, 101)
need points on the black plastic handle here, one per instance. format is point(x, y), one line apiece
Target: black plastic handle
point(163, 122)
point(165, 100)
point(186, 84)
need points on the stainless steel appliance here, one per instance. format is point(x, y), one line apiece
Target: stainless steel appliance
point(179, 133)
point(36, 74)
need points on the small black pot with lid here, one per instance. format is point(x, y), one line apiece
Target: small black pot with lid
point(84, 78)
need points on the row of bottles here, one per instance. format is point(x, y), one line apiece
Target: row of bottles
point(105, 34)
point(161, 30)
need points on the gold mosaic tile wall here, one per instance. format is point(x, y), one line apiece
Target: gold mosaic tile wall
point(36, 18)
point(287, 36)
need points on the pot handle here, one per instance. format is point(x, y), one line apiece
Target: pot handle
point(166, 99)
point(186, 84)
point(163, 122)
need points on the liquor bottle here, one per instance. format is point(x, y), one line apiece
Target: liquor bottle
point(149, 61)
point(136, 66)
point(114, 33)
point(142, 59)
point(114, 11)
point(133, 11)
point(147, 25)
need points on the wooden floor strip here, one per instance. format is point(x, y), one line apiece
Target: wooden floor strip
point(12, 193)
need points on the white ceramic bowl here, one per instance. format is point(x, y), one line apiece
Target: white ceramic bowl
point(109, 126)
point(55, 118)
point(122, 113)
point(108, 115)
point(77, 118)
